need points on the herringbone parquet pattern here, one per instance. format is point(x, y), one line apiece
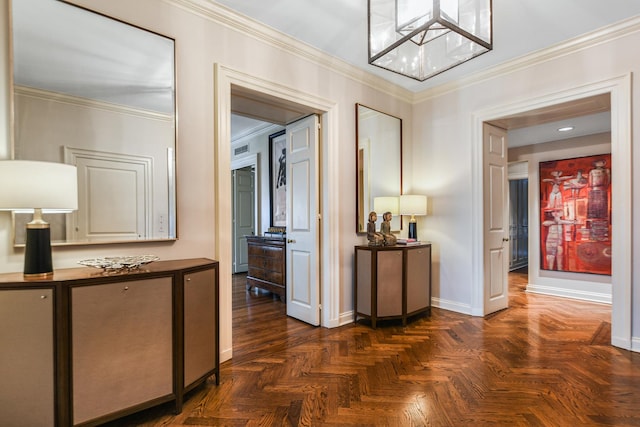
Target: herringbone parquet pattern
point(542, 362)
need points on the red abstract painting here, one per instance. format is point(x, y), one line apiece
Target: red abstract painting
point(575, 215)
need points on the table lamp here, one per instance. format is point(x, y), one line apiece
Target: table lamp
point(414, 205)
point(385, 204)
point(31, 186)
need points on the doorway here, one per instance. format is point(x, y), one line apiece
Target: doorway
point(241, 87)
point(518, 223)
point(243, 214)
point(619, 91)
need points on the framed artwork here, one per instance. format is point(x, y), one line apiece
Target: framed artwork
point(575, 215)
point(278, 178)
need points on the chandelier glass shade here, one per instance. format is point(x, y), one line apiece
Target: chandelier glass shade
point(422, 38)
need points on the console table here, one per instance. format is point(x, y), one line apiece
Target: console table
point(87, 346)
point(267, 264)
point(392, 282)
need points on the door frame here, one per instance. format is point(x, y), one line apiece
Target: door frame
point(329, 256)
point(619, 89)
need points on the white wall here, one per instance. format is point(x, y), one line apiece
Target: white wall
point(591, 287)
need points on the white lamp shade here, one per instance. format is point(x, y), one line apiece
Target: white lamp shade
point(386, 204)
point(413, 204)
point(28, 185)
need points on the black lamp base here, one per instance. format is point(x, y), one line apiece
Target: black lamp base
point(37, 254)
point(413, 230)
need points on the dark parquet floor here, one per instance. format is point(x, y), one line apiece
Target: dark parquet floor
point(544, 361)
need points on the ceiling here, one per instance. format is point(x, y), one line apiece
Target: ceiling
point(339, 28)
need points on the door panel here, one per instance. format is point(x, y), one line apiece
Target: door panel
point(496, 226)
point(303, 281)
point(114, 196)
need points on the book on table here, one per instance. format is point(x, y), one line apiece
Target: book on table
point(408, 242)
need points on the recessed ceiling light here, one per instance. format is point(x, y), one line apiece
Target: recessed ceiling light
point(565, 129)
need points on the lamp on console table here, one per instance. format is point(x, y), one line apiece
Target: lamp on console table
point(385, 204)
point(30, 186)
point(414, 205)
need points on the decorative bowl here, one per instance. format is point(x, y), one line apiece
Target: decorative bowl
point(119, 262)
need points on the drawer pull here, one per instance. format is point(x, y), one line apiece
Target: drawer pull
point(43, 297)
point(291, 241)
point(126, 288)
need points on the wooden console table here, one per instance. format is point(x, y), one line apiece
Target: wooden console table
point(86, 347)
point(392, 282)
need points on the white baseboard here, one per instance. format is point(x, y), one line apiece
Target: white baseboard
point(346, 318)
point(603, 298)
point(451, 306)
point(635, 344)
point(226, 355)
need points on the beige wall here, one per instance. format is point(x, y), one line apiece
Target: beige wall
point(201, 42)
point(444, 160)
point(437, 152)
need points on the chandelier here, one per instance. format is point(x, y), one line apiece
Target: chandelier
point(422, 38)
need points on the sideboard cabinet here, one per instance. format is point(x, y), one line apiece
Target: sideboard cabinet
point(87, 347)
point(392, 282)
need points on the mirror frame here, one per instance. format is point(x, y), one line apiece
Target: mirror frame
point(171, 135)
point(361, 220)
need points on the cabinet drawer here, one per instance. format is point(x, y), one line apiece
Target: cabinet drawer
point(272, 252)
point(274, 265)
point(266, 251)
point(277, 278)
point(254, 249)
point(258, 273)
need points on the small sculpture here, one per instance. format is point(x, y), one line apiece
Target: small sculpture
point(375, 238)
point(385, 230)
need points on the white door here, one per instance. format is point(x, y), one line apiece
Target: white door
point(303, 281)
point(244, 216)
point(496, 219)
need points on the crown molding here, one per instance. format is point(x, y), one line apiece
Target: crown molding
point(255, 132)
point(223, 15)
point(588, 40)
point(229, 18)
point(78, 101)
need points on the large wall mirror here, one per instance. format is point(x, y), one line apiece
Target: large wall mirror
point(100, 94)
point(378, 163)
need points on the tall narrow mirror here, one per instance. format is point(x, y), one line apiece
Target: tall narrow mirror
point(100, 94)
point(378, 163)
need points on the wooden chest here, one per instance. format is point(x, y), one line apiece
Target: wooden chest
point(267, 264)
